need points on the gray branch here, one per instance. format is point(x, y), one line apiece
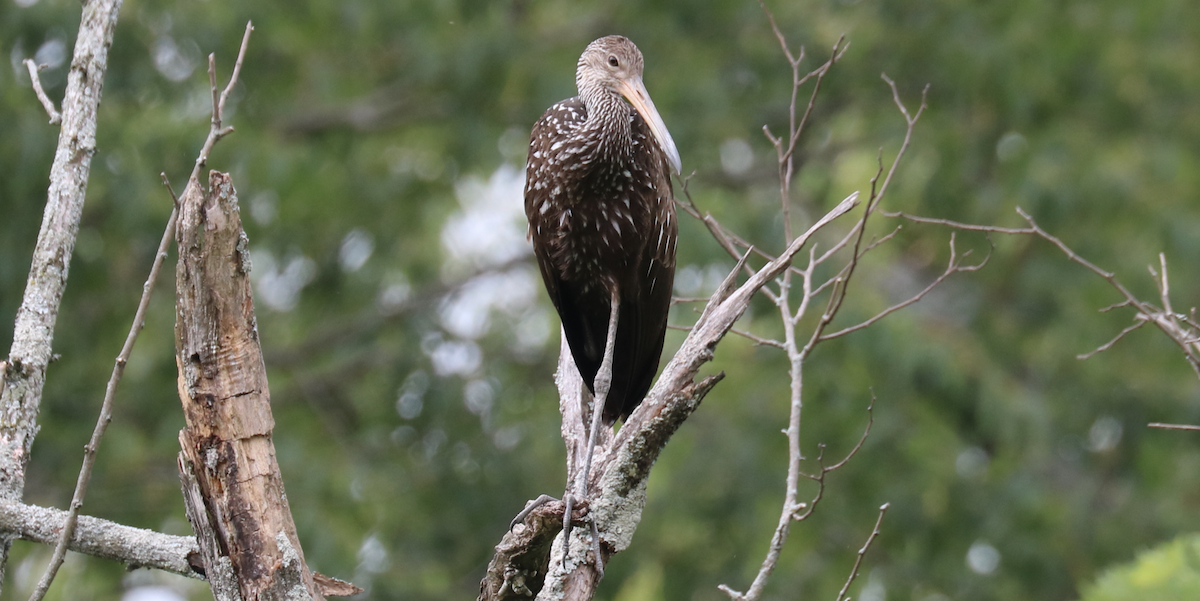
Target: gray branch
point(134, 547)
point(33, 333)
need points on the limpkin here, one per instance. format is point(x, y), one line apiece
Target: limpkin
point(602, 220)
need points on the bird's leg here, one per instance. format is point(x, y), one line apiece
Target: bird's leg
point(601, 385)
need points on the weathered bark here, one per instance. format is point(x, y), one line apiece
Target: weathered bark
point(528, 561)
point(217, 568)
point(522, 558)
point(25, 371)
point(134, 547)
point(223, 387)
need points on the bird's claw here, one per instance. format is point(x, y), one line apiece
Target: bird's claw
point(596, 548)
point(529, 507)
point(595, 532)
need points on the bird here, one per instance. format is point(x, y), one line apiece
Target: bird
point(601, 212)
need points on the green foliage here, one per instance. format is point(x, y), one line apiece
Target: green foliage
point(1166, 572)
point(365, 128)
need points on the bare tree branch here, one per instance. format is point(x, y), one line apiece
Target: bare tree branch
point(953, 267)
point(1178, 327)
point(33, 331)
point(862, 552)
point(134, 547)
point(1175, 427)
point(89, 452)
point(792, 509)
point(1110, 343)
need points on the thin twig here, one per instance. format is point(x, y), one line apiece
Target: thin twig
point(1164, 286)
point(723, 235)
point(216, 131)
point(170, 189)
point(958, 225)
point(89, 451)
point(683, 300)
point(55, 116)
point(1107, 345)
point(802, 511)
point(878, 190)
point(1175, 426)
point(842, 274)
point(759, 340)
point(786, 155)
point(861, 439)
point(782, 40)
point(862, 552)
point(1124, 303)
point(952, 268)
point(1178, 327)
point(139, 321)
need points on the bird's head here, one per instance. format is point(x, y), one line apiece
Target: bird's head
point(613, 65)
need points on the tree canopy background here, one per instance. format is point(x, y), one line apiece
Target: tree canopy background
point(379, 152)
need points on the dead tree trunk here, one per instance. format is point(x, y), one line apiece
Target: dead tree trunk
point(227, 444)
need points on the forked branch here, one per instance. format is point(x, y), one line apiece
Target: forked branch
point(836, 288)
point(1180, 328)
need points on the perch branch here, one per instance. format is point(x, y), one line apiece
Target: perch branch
point(621, 467)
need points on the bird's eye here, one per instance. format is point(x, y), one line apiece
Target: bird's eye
point(612, 60)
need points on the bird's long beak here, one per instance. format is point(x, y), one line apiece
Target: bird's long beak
point(635, 92)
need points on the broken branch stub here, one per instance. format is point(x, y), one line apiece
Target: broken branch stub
point(226, 402)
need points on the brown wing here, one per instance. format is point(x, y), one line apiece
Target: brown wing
point(582, 305)
point(646, 302)
point(640, 261)
point(543, 176)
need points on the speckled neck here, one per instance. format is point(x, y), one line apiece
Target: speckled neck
point(608, 123)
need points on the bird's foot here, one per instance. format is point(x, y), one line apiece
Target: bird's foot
point(529, 507)
point(596, 548)
point(595, 532)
